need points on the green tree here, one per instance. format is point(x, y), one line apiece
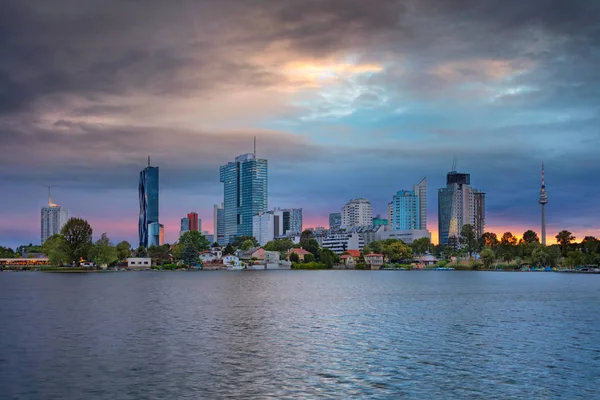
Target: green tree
point(215, 244)
point(564, 239)
point(190, 253)
point(488, 257)
point(312, 246)
point(7, 252)
point(280, 245)
point(376, 246)
point(160, 254)
point(541, 257)
point(530, 237)
point(194, 239)
point(367, 250)
point(294, 257)
point(421, 246)
point(489, 239)
point(328, 257)
point(229, 250)
point(106, 253)
point(309, 258)
point(54, 247)
point(468, 239)
point(123, 250)
point(306, 235)
point(141, 252)
point(554, 252)
point(507, 248)
point(30, 248)
point(238, 240)
point(574, 258)
point(78, 237)
point(590, 245)
point(247, 245)
point(396, 250)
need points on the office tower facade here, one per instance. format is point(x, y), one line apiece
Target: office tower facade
point(405, 212)
point(420, 190)
point(148, 196)
point(267, 226)
point(156, 234)
point(185, 226)
point(194, 222)
point(219, 224)
point(459, 204)
point(543, 201)
point(357, 212)
point(292, 221)
point(245, 191)
point(53, 218)
point(335, 221)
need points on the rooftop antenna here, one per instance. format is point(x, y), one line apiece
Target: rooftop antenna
point(49, 197)
point(454, 165)
point(148, 161)
point(254, 146)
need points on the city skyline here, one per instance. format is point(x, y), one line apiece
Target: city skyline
point(346, 102)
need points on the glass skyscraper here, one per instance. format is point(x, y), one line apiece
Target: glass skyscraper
point(148, 194)
point(245, 188)
point(335, 221)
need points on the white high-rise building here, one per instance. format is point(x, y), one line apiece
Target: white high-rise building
point(53, 218)
point(420, 190)
point(341, 242)
point(357, 212)
point(267, 226)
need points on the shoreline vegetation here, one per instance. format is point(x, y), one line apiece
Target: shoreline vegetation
point(73, 251)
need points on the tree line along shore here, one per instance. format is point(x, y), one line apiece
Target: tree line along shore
point(74, 246)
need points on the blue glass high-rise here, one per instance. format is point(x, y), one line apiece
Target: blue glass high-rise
point(148, 194)
point(245, 188)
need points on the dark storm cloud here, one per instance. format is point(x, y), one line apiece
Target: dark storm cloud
point(73, 71)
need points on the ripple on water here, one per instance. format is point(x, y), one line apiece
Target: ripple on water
point(300, 334)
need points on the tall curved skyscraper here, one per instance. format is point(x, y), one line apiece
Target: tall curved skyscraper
point(148, 194)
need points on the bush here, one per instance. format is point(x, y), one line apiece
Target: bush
point(441, 263)
point(310, 265)
point(360, 265)
point(308, 258)
point(172, 267)
point(403, 266)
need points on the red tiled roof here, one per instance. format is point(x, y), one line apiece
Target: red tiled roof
point(299, 252)
point(344, 256)
point(353, 253)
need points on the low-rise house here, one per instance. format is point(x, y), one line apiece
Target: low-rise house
point(347, 260)
point(375, 261)
point(256, 252)
point(232, 262)
point(272, 257)
point(427, 259)
point(207, 256)
point(139, 262)
point(300, 251)
point(350, 257)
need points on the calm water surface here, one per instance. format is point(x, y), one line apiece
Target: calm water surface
point(300, 334)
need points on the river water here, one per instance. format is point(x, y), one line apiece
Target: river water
point(299, 334)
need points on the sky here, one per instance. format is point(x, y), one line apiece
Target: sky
point(347, 98)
